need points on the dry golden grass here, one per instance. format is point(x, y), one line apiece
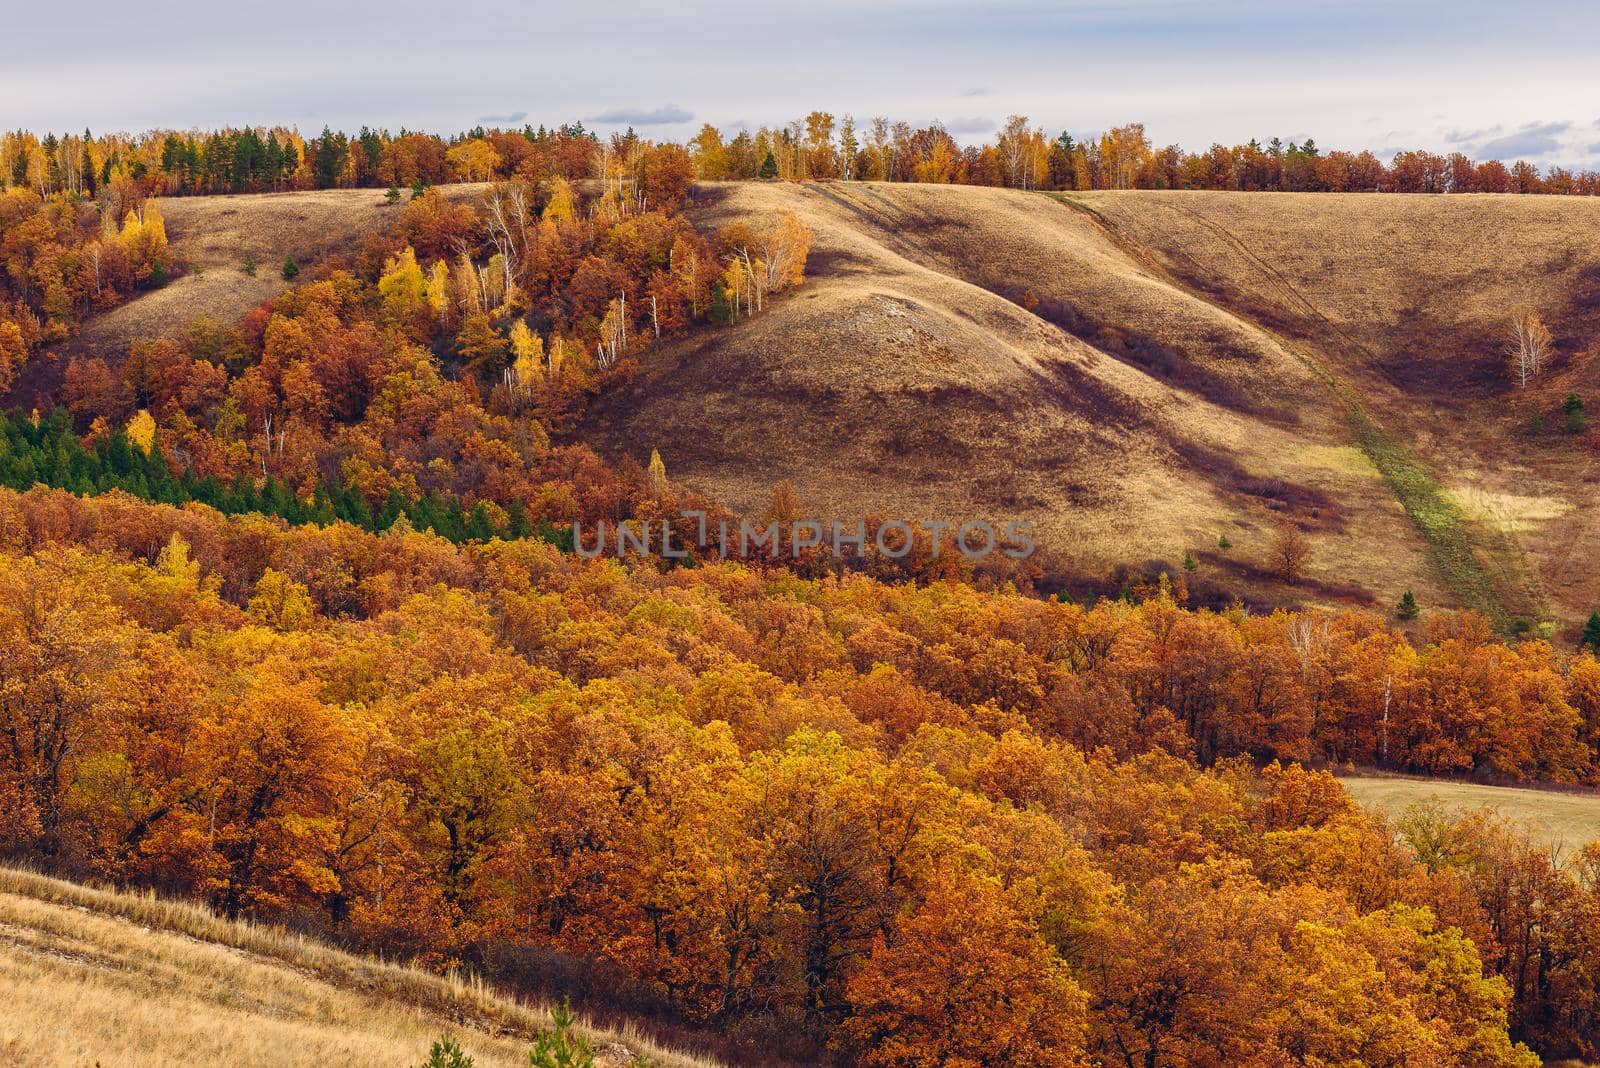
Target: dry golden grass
point(923, 371)
point(1565, 821)
point(213, 237)
point(92, 977)
point(1406, 299)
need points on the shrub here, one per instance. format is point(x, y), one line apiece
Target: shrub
point(1577, 422)
point(446, 1052)
point(560, 1048)
point(1188, 561)
point(392, 195)
point(1224, 544)
point(1591, 632)
point(250, 264)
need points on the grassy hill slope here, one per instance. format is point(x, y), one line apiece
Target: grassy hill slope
point(91, 977)
point(1565, 821)
point(1139, 374)
point(1405, 301)
point(984, 353)
point(214, 237)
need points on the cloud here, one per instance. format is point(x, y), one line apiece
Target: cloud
point(666, 115)
point(976, 92)
point(1534, 139)
point(508, 117)
point(973, 125)
point(1468, 137)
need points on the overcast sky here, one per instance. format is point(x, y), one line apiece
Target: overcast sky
point(1501, 79)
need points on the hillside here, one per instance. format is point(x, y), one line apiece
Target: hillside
point(1564, 822)
point(213, 240)
point(91, 977)
point(1140, 374)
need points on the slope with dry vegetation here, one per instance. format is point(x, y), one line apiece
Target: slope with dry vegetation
point(1144, 374)
point(97, 977)
point(233, 250)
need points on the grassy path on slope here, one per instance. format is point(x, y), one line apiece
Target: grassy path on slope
point(1457, 546)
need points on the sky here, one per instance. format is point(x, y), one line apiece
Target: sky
point(1495, 80)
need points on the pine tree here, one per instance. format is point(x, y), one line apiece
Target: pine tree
point(1591, 632)
point(480, 525)
point(1572, 407)
point(769, 167)
point(1407, 608)
point(559, 1047)
point(1224, 544)
point(446, 1052)
point(1189, 561)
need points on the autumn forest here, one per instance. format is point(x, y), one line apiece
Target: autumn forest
point(293, 622)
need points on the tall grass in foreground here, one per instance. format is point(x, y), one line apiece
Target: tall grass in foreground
point(88, 974)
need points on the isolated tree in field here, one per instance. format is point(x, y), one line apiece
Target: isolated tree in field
point(559, 1047)
point(1572, 407)
point(1529, 348)
point(1407, 608)
point(1290, 550)
point(657, 475)
point(1591, 632)
point(446, 1052)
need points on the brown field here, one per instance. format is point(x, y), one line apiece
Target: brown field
point(1566, 821)
point(91, 977)
point(212, 237)
point(1140, 373)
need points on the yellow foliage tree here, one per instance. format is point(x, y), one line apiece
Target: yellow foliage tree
point(527, 355)
point(559, 207)
point(142, 431)
point(657, 475)
point(438, 291)
point(474, 160)
point(281, 603)
point(402, 287)
point(155, 232)
point(132, 234)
